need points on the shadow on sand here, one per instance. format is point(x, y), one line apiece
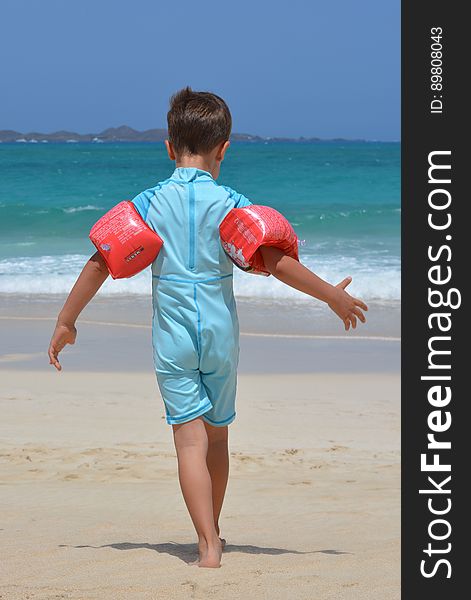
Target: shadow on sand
point(187, 552)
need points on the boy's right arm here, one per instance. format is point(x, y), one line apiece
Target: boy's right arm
point(89, 281)
point(293, 273)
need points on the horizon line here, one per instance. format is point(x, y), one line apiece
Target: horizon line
point(248, 136)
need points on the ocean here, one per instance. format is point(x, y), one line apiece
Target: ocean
point(342, 198)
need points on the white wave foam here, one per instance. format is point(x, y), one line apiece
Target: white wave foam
point(377, 279)
point(74, 209)
point(380, 281)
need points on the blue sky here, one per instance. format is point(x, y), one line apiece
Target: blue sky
point(327, 68)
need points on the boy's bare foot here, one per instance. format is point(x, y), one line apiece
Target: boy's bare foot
point(210, 556)
point(223, 544)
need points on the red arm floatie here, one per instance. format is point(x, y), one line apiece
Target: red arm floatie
point(244, 230)
point(128, 245)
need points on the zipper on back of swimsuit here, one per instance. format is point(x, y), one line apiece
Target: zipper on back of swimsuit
point(192, 225)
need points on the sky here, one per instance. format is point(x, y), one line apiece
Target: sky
point(324, 68)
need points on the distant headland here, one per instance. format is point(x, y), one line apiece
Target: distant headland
point(128, 134)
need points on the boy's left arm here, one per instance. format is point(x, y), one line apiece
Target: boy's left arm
point(89, 281)
point(296, 275)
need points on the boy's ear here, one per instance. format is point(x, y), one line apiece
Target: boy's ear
point(222, 150)
point(170, 151)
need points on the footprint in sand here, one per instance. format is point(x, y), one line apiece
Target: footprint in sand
point(337, 448)
point(299, 482)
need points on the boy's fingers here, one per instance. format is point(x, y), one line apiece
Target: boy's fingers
point(343, 284)
point(360, 303)
point(53, 360)
point(353, 319)
point(359, 314)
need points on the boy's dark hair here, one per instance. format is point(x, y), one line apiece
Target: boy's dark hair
point(197, 121)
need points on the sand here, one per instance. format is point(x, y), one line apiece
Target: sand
point(90, 503)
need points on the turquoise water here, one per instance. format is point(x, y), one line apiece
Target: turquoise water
point(343, 199)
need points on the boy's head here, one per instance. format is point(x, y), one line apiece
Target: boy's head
point(199, 125)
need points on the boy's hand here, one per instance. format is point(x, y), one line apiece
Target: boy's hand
point(293, 273)
point(89, 281)
point(63, 334)
point(347, 307)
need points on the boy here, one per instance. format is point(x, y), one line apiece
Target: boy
point(195, 329)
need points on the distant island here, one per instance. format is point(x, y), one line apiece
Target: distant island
point(128, 134)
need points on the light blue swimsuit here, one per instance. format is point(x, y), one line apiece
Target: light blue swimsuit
point(195, 329)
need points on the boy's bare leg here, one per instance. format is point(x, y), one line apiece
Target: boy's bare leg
point(218, 465)
point(191, 444)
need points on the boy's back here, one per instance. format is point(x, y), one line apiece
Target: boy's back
point(195, 329)
point(186, 210)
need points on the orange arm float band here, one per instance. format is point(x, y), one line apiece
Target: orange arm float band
point(127, 244)
point(244, 230)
